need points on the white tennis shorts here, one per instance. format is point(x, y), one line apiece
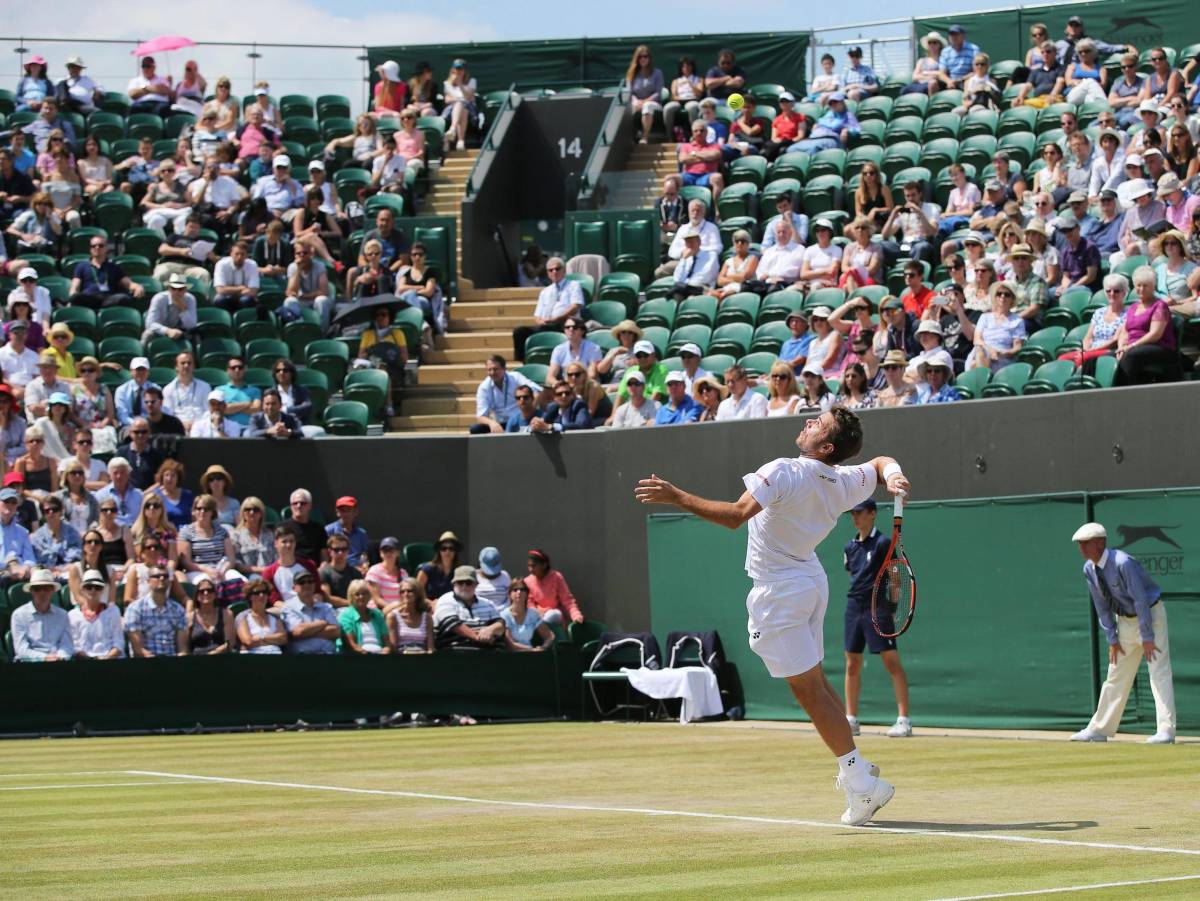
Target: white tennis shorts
point(786, 623)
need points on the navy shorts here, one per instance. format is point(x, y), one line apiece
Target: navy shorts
point(860, 633)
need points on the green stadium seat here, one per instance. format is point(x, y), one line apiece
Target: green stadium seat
point(1009, 381)
point(910, 173)
point(874, 294)
point(860, 156)
point(607, 312)
point(106, 126)
point(870, 134)
point(377, 202)
point(176, 123)
point(43, 263)
point(330, 357)
point(977, 150)
point(937, 154)
point(162, 351)
point(825, 297)
point(911, 105)
point(905, 128)
point(535, 372)
point(120, 350)
point(1069, 311)
point(1050, 378)
point(717, 364)
point(349, 182)
point(971, 383)
point(700, 310)
point(740, 199)
point(347, 417)
point(697, 334)
point(213, 322)
point(732, 338)
point(120, 322)
point(729, 226)
point(293, 105)
point(216, 352)
point(823, 193)
point(252, 329)
point(741, 307)
point(1002, 71)
point(1042, 347)
point(944, 102)
point(660, 312)
point(769, 337)
point(587, 284)
point(1018, 145)
point(1129, 265)
point(82, 321)
point(1019, 119)
point(144, 125)
point(134, 264)
point(371, 387)
point(979, 122)
point(329, 105)
point(637, 250)
point(659, 337)
point(777, 306)
point(141, 241)
point(898, 157)
point(303, 129)
point(59, 287)
point(265, 352)
point(751, 169)
point(660, 287)
point(82, 347)
point(758, 363)
point(941, 125)
point(416, 553)
point(792, 166)
point(874, 108)
point(589, 237)
point(1106, 371)
point(540, 345)
point(622, 287)
point(827, 162)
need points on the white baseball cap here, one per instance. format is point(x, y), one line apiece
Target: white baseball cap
point(813, 368)
point(644, 347)
point(1140, 189)
point(27, 272)
point(216, 394)
point(316, 164)
point(282, 160)
point(139, 363)
point(390, 70)
point(690, 349)
point(676, 375)
point(1088, 531)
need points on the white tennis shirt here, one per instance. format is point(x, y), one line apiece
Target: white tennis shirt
point(801, 501)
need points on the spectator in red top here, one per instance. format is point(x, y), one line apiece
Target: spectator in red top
point(548, 591)
point(787, 128)
point(390, 90)
point(700, 160)
point(281, 575)
point(917, 295)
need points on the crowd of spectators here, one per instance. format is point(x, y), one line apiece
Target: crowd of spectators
point(1005, 248)
point(142, 567)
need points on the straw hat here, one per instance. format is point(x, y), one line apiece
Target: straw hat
point(930, 38)
point(709, 380)
point(216, 470)
point(626, 325)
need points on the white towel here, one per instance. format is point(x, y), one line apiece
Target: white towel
point(697, 685)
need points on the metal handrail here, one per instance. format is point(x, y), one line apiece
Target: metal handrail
point(589, 179)
point(490, 140)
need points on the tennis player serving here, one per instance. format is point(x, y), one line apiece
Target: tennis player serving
point(792, 503)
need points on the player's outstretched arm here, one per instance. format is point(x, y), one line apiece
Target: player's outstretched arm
point(888, 471)
point(731, 515)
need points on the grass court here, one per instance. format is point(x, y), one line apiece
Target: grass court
point(592, 810)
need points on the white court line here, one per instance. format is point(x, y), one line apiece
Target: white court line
point(650, 811)
point(45, 775)
point(27, 788)
point(1072, 888)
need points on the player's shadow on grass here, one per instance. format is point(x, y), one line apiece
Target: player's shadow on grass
point(1051, 826)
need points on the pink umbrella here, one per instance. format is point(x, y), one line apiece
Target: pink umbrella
point(163, 44)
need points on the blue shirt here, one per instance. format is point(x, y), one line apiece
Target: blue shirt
point(106, 279)
point(36, 635)
point(158, 625)
point(1132, 590)
point(124, 397)
point(128, 506)
point(39, 129)
point(794, 347)
point(15, 544)
point(687, 411)
point(926, 395)
point(1104, 236)
point(863, 559)
point(279, 195)
point(518, 423)
point(358, 540)
point(52, 552)
point(799, 223)
point(243, 395)
point(957, 63)
point(522, 632)
point(296, 614)
point(860, 74)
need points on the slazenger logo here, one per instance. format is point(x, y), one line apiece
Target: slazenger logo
point(826, 478)
point(1161, 562)
point(1120, 22)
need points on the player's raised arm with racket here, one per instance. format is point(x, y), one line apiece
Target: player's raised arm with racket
point(791, 504)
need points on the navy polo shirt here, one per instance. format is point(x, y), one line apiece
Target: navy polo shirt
point(863, 561)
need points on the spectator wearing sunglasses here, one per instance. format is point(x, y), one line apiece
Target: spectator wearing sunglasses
point(15, 546)
point(144, 459)
point(151, 554)
point(463, 620)
point(576, 349)
point(259, 631)
point(1126, 91)
point(568, 413)
point(337, 575)
point(153, 525)
point(95, 624)
point(210, 627)
point(557, 302)
point(155, 624)
point(56, 544)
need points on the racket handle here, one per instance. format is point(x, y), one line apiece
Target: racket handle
point(898, 510)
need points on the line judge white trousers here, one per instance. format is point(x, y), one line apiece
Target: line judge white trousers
point(1115, 692)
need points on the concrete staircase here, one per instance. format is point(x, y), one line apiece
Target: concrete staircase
point(640, 184)
point(447, 190)
point(481, 323)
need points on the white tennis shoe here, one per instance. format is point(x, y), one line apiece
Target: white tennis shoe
point(861, 807)
point(1088, 735)
point(902, 728)
point(1161, 738)
point(840, 782)
point(854, 727)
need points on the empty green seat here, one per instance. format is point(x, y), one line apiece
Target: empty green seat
point(371, 387)
point(539, 346)
point(733, 338)
point(741, 307)
point(971, 383)
point(347, 417)
point(690, 334)
point(697, 311)
point(1050, 378)
point(1009, 381)
point(660, 311)
point(769, 336)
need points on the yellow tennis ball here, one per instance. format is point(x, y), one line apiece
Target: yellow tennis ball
point(735, 101)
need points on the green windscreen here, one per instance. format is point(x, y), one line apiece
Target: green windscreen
point(1002, 633)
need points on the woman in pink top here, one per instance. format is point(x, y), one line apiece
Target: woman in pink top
point(410, 141)
point(549, 594)
point(1146, 348)
point(385, 578)
point(390, 90)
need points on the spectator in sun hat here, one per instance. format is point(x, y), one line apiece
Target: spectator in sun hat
point(172, 313)
point(347, 526)
point(41, 631)
point(1180, 202)
point(437, 575)
point(1031, 287)
point(640, 409)
point(708, 393)
point(38, 390)
point(95, 625)
point(895, 391)
point(679, 407)
point(390, 90)
point(935, 373)
point(549, 593)
point(1177, 275)
point(930, 337)
point(492, 580)
point(926, 77)
point(1146, 212)
point(794, 350)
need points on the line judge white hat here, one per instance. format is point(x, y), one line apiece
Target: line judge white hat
point(1088, 531)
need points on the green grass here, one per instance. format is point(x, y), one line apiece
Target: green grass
point(239, 840)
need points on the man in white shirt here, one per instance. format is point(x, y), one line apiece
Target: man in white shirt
point(557, 302)
point(388, 169)
point(784, 206)
point(18, 362)
point(216, 424)
point(742, 403)
point(186, 396)
point(780, 264)
point(911, 226)
point(791, 505)
point(698, 268)
point(235, 279)
point(639, 410)
point(217, 197)
point(77, 91)
point(710, 237)
point(495, 398)
point(150, 92)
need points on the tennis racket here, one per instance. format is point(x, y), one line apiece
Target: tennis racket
point(894, 599)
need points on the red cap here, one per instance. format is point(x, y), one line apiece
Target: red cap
point(14, 478)
point(345, 501)
point(5, 389)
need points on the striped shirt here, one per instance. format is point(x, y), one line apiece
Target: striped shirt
point(411, 636)
point(388, 585)
point(205, 551)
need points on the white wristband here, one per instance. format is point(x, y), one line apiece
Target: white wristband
point(892, 469)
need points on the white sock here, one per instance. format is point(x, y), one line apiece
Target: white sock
point(855, 768)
